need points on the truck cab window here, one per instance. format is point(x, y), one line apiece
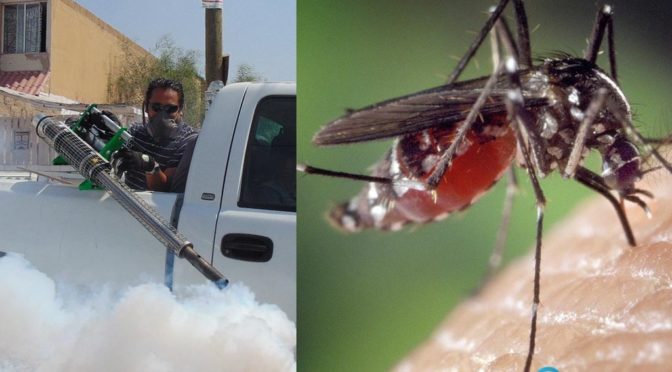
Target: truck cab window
point(269, 175)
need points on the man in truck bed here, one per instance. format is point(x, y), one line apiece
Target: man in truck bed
point(158, 157)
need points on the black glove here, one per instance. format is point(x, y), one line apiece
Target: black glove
point(125, 160)
point(96, 119)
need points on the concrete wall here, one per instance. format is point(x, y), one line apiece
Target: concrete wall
point(13, 149)
point(85, 53)
point(15, 123)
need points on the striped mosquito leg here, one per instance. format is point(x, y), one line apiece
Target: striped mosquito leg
point(501, 37)
point(447, 156)
point(582, 133)
point(526, 119)
point(522, 119)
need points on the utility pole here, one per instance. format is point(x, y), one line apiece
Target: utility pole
point(213, 41)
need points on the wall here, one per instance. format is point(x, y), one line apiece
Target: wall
point(36, 152)
point(24, 62)
point(15, 116)
point(85, 53)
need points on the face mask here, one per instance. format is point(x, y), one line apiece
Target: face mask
point(162, 127)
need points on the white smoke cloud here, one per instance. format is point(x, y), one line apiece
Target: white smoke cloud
point(145, 328)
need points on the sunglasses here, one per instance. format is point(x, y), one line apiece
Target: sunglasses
point(157, 107)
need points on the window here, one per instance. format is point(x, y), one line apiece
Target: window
point(269, 175)
point(25, 28)
point(21, 140)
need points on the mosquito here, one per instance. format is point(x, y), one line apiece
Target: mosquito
point(453, 142)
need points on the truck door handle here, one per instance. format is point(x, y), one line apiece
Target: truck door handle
point(247, 247)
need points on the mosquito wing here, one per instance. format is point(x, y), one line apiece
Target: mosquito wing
point(441, 106)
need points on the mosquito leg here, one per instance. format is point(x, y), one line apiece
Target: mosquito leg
point(522, 119)
point(582, 132)
point(498, 250)
point(603, 20)
point(502, 233)
point(612, 50)
point(504, 34)
point(654, 151)
point(527, 119)
point(541, 201)
point(494, 15)
point(447, 156)
point(658, 141)
point(595, 182)
point(525, 55)
point(633, 132)
point(502, 37)
point(307, 169)
point(357, 177)
point(495, 44)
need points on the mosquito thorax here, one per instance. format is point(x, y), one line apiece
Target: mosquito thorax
point(570, 84)
point(579, 80)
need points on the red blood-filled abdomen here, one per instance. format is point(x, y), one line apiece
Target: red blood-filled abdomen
point(470, 175)
point(486, 153)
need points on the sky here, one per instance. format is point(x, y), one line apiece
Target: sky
point(261, 33)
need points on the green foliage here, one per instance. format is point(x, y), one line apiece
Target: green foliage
point(172, 62)
point(247, 72)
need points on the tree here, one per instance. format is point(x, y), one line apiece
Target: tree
point(247, 72)
point(172, 62)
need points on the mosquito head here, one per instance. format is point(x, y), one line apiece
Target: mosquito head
point(621, 165)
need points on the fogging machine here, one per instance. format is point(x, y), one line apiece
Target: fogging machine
point(88, 150)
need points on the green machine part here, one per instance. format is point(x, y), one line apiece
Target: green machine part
point(114, 144)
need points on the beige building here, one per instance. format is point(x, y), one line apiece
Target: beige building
point(54, 54)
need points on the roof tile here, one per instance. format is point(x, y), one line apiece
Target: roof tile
point(29, 82)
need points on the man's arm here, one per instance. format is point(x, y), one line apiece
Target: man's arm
point(160, 179)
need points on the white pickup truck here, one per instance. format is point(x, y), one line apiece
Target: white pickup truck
point(238, 209)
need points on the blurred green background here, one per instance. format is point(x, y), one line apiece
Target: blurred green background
point(366, 300)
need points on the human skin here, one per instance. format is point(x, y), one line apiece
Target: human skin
point(604, 305)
